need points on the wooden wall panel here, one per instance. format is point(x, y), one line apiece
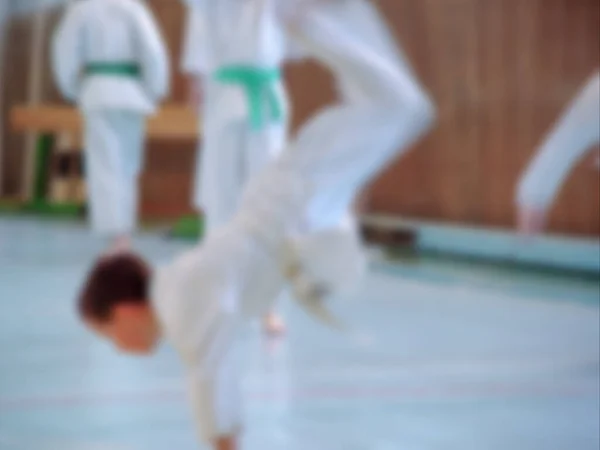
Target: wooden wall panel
point(166, 183)
point(16, 68)
point(500, 72)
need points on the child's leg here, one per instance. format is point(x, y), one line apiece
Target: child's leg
point(383, 113)
point(133, 131)
point(219, 170)
point(113, 150)
point(314, 183)
point(344, 147)
point(573, 135)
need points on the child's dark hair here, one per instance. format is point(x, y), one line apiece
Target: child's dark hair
point(114, 280)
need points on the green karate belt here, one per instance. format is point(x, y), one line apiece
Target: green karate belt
point(261, 94)
point(121, 69)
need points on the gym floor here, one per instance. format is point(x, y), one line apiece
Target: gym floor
point(443, 356)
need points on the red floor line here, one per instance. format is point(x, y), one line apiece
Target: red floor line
point(395, 393)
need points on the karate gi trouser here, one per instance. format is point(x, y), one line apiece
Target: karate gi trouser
point(231, 152)
point(114, 142)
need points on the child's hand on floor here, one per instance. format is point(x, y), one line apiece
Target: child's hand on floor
point(226, 443)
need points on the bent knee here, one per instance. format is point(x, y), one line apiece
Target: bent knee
point(412, 105)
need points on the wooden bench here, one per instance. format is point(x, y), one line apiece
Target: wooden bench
point(56, 169)
point(171, 122)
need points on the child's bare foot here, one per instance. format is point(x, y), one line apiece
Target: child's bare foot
point(531, 221)
point(273, 324)
point(118, 245)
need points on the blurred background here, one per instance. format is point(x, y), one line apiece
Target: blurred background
point(466, 293)
point(500, 71)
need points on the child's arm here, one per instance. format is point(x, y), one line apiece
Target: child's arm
point(154, 58)
point(575, 133)
point(213, 375)
point(67, 53)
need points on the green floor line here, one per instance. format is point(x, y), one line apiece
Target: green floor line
point(59, 210)
point(10, 207)
point(188, 228)
point(42, 209)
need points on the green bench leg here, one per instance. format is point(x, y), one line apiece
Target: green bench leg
point(189, 228)
point(39, 203)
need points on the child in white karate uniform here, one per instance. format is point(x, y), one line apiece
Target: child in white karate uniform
point(109, 57)
point(289, 227)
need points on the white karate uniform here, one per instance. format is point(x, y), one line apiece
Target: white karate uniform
point(202, 298)
point(577, 130)
point(220, 33)
point(115, 105)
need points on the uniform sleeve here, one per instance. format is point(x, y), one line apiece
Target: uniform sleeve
point(153, 56)
point(213, 378)
point(294, 51)
point(194, 60)
point(575, 132)
point(67, 54)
